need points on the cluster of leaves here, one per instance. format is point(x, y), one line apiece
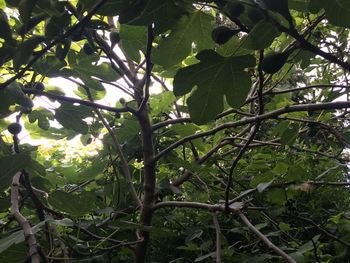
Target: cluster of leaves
point(242, 156)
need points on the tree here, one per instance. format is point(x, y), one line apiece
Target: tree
point(229, 142)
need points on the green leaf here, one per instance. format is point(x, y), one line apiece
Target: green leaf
point(55, 24)
point(185, 130)
point(92, 83)
point(133, 40)
point(299, 5)
point(335, 12)
point(205, 104)
point(215, 76)
point(32, 22)
point(344, 4)
point(315, 6)
point(85, 68)
point(35, 169)
point(289, 136)
point(88, 172)
point(162, 103)
point(14, 253)
point(25, 8)
point(25, 51)
point(129, 129)
point(276, 196)
point(152, 11)
point(280, 6)
point(41, 115)
point(261, 36)
point(296, 173)
point(49, 66)
point(110, 8)
point(6, 53)
point(71, 117)
point(10, 165)
point(5, 29)
point(284, 226)
point(2, 4)
point(73, 204)
point(11, 95)
point(196, 28)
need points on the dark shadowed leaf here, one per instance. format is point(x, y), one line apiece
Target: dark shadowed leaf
point(195, 28)
point(73, 204)
point(214, 76)
point(71, 117)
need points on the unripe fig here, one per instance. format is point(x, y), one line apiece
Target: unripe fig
point(88, 49)
point(122, 101)
point(26, 110)
point(274, 62)
point(14, 128)
point(222, 34)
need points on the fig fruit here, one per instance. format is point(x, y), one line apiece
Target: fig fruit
point(274, 62)
point(88, 49)
point(122, 101)
point(222, 34)
point(14, 128)
point(26, 110)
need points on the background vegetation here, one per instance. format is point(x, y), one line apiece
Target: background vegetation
point(229, 142)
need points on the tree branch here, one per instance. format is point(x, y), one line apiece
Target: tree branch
point(22, 221)
point(125, 166)
point(265, 116)
point(74, 100)
point(264, 239)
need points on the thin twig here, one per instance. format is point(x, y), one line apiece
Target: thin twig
point(149, 66)
point(236, 160)
point(265, 116)
point(264, 239)
point(74, 100)
point(125, 166)
point(324, 231)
